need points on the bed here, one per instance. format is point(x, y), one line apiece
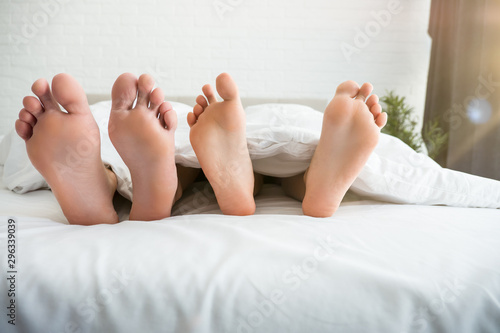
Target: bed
point(412, 248)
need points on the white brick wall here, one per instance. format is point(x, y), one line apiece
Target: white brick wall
point(283, 48)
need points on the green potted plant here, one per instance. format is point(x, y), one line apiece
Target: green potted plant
point(402, 124)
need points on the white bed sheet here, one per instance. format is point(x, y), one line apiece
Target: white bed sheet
point(373, 267)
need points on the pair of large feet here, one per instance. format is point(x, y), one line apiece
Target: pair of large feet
point(65, 147)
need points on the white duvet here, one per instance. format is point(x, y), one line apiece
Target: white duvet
point(372, 267)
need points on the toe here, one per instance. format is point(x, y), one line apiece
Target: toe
point(365, 91)
point(376, 110)
point(202, 101)
point(191, 119)
point(124, 92)
point(226, 87)
point(42, 90)
point(197, 110)
point(372, 100)
point(27, 117)
point(69, 93)
point(145, 86)
point(156, 99)
point(381, 120)
point(33, 105)
point(350, 88)
point(168, 115)
point(209, 93)
point(24, 130)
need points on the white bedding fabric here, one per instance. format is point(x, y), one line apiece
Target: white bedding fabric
point(373, 267)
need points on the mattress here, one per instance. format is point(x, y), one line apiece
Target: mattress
point(372, 267)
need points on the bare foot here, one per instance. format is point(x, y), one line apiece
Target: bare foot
point(350, 132)
point(65, 149)
point(218, 137)
point(144, 138)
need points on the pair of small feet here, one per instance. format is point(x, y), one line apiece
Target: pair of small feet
point(65, 147)
point(351, 126)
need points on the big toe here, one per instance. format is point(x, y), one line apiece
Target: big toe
point(226, 87)
point(350, 88)
point(124, 92)
point(69, 93)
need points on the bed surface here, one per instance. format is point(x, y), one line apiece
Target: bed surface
point(373, 267)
